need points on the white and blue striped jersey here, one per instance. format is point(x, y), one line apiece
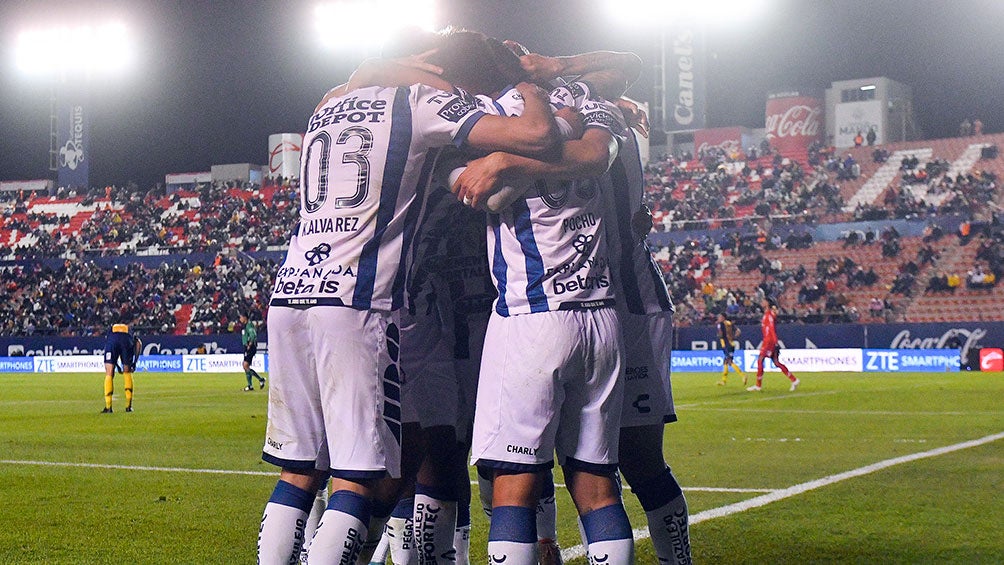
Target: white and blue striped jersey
point(548, 250)
point(366, 157)
point(638, 281)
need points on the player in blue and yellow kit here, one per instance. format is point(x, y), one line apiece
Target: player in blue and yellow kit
point(728, 335)
point(120, 346)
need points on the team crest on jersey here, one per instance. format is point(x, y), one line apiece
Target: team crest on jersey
point(457, 107)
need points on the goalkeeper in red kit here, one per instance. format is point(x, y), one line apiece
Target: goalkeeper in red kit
point(770, 349)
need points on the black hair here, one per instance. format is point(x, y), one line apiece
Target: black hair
point(476, 62)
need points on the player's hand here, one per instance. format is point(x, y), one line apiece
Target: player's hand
point(635, 117)
point(530, 90)
point(573, 118)
point(541, 67)
point(480, 180)
point(641, 222)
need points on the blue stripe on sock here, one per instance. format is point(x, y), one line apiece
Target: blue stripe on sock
point(352, 504)
point(404, 508)
point(515, 524)
point(606, 524)
point(287, 494)
point(657, 491)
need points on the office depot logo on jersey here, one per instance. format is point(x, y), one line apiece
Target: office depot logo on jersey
point(992, 359)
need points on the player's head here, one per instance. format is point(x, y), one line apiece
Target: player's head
point(120, 328)
point(409, 41)
point(244, 318)
point(722, 317)
point(768, 303)
point(476, 62)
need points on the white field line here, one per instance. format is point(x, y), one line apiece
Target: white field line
point(140, 468)
point(774, 496)
point(268, 473)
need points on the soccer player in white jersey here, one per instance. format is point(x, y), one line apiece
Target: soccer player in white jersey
point(334, 404)
point(552, 359)
point(645, 309)
point(646, 316)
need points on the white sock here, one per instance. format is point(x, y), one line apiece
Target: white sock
point(400, 533)
point(374, 533)
point(547, 514)
point(281, 535)
point(666, 510)
point(342, 530)
point(435, 521)
point(320, 503)
point(382, 548)
point(462, 544)
point(668, 526)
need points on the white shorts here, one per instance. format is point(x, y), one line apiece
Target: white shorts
point(429, 391)
point(334, 392)
point(550, 381)
point(648, 391)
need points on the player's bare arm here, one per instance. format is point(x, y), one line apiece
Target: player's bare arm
point(403, 71)
point(534, 132)
point(609, 72)
point(587, 157)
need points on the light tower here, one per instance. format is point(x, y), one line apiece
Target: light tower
point(68, 56)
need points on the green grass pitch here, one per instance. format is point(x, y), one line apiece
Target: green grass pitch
point(850, 468)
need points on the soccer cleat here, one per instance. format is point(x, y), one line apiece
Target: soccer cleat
point(753, 388)
point(248, 388)
point(722, 382)
point(106, 411)
point(548, 552)
point(128, 408)
point(794, 385)
point(261, 384)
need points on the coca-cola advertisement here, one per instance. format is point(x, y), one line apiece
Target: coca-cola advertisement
point(793, 123)
point(727, 140)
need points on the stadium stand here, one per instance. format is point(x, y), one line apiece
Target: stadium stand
point(188, 262)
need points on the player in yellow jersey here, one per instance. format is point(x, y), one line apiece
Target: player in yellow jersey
point(728, 335)
point(120, 346)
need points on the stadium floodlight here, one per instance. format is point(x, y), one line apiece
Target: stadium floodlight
point(361, 25)
point(868, 87)
point(85, 49)
point(664, 13)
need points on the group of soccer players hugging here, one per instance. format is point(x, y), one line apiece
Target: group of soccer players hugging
point(469, 275)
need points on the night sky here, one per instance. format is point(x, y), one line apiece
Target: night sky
point(214, 79)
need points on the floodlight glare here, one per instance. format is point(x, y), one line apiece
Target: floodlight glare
point(868, 87)
point(360, 25)
point(663, 13)
point(85, 49)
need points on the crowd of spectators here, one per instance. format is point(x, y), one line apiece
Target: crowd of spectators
point(81, 298)
point(126, 220)
point(761, 194)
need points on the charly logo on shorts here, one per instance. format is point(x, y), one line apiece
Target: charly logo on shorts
point(317, 254)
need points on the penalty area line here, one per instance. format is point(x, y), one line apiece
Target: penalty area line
point(775, 496)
